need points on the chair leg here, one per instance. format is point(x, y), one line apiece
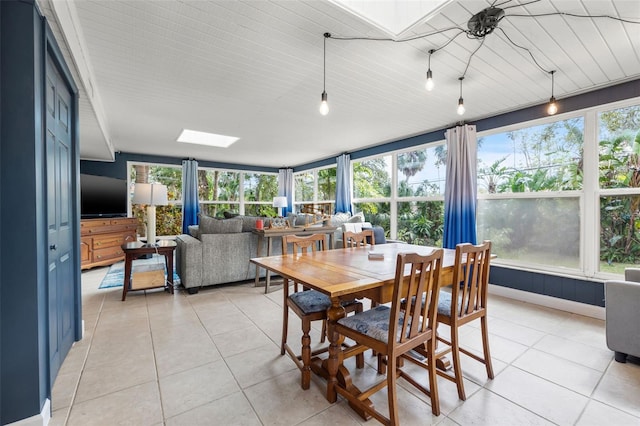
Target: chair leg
point(485, 345)
point(391, 390)
point(285, 327)
point(306, 354)
point(457, 368)
point(382, 368)
point(433, 376)
point(324, 331)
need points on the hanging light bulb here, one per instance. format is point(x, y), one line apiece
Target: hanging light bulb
point(553, 107)
point(460, 109)
point(429, 84)
point(324, 106)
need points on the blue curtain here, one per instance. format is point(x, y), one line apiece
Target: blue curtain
point(285, 188)
point(343, 184)
point(460, 194)
point(190, 206)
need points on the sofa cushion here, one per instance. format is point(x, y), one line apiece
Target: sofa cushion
point(249, 222)
point(356, 218)
point(210, 225)
point(194, 231)
point(340, 218)
point(378, 234)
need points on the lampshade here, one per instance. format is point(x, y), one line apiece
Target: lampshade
point(151, 194)
point(280, 202)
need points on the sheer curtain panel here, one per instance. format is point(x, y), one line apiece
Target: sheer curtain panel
point(461, 191)
point(285, 188)
point(190, 206)
point(343, 184)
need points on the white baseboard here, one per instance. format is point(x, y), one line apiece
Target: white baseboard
point(41, 419)
point(548, 301)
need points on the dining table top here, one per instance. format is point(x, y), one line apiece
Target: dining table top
point(343, 272)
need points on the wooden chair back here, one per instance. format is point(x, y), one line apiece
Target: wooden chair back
point(358, 239)
point(470, 279)
point(306, 244)
point(417, 322)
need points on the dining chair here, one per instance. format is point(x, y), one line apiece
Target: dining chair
point(469, 290)
point(358, 239)
point(393, 332)
point(361, 239)
point(309, 305)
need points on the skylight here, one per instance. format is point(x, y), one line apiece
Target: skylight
point(204, 138)
point(395, 17)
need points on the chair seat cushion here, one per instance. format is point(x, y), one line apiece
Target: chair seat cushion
point(373, 323)
point(444, 304)
point(310, 301)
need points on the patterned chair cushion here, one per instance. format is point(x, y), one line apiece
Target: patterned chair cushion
point(311, 301)
point(373, 323)
point(444, 304)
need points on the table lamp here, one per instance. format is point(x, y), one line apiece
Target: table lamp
point(151, 195)
point(280, 203)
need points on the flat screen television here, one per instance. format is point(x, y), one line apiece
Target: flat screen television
point(102, 196)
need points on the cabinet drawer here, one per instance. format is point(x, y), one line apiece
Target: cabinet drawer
point(107, 253)
point(104, 241)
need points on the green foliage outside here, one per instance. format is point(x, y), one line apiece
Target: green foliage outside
point(620, 168)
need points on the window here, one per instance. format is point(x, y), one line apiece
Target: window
point(315, 190)
point(619, 182)
point(259, 191)
point(420, 178)
point(529, 186)
point(168, 218)
point(372, 178)
point(218, 191)
point(304, 186)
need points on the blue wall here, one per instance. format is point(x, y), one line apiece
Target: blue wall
point(25, 374)
point(118, 168)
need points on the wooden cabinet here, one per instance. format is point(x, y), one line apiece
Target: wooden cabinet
point(101, 240)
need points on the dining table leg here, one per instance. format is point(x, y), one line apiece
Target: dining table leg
point(337, 373)
point(335, 312)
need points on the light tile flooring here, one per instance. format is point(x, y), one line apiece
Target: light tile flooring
point(213, 359)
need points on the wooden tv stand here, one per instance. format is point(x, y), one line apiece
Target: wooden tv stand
point(101, 240)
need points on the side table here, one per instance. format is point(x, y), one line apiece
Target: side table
point(136, 249)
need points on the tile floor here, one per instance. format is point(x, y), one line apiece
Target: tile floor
point(213, 359)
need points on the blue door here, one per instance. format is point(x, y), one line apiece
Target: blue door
point(59, 125)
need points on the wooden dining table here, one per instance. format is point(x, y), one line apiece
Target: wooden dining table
point(347, 274)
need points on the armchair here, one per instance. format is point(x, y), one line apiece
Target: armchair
point(622, 313)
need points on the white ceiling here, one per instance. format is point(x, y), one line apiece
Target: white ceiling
point(254, 69)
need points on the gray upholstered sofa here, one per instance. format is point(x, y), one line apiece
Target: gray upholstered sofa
point(218, 251)
point(622, 309)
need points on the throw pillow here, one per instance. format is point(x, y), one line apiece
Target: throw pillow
point(339, 218)
point(230, 215)
point(210, 225)
point(357, 218)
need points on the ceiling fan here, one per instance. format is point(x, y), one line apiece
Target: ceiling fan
point(479, 26)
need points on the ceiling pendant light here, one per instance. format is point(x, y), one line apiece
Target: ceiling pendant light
point(429, 84)
point(553, 107)
point(460, 109)
point(324, 106)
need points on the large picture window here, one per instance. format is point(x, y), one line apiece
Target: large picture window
point(530, 190)
point(218, 191)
